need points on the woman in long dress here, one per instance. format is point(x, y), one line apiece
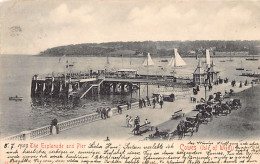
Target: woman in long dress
point(54, 130)
point(130, 122)
point(54, 127)
point(109, 112)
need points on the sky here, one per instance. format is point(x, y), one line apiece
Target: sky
point(29, 27)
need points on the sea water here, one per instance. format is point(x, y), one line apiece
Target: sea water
point(17, 71)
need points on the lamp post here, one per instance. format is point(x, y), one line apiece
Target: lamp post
point(205, 85)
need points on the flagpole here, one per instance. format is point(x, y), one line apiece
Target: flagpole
point(147, 74)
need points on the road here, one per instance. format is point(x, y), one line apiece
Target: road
point(115, 127)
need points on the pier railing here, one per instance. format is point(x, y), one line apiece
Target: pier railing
point(65, 125)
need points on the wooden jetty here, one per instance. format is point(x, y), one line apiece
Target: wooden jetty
point(81, 84)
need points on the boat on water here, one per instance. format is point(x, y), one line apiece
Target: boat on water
point(148, 61)
point(222, 61)
point(16, 98)
point(230, 58)
point(176, 61)
point(164, 60)
point(251, 74)
point(207, 58)
point(240, 68)
point(252, 59)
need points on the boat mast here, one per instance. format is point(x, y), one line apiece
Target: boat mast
point(122, 59)
point(107, 60)
point(130, 59)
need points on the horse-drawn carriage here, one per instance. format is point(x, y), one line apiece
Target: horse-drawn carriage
point(224, 108)
point(235, 104)
point(159, 136)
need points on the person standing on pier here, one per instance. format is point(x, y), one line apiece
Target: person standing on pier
point(161, 102)
point(198, 88)
point(130, 121)
point(140, 103)
point(128, 103)
point(154, 103)
point(127, 120)
point(104, 113)
point(119, 109)
point(148, 101)
point(240, 85)
point(246, 83)
point(54, 127)
point(108, 112)
point(144, 104)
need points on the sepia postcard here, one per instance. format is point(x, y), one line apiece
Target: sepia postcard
point(120, 81)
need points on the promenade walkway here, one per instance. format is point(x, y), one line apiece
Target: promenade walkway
point(115, 127)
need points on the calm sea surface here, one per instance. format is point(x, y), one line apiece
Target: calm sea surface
point(17, 71)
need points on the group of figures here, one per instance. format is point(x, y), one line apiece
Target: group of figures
point(233, 83)
point(138, 128)
point(206, 112)
point(156, 100)
point(216, 105)
point(105, 112)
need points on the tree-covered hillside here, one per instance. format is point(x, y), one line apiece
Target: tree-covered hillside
point(156, 48)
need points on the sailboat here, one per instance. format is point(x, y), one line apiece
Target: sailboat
point(230, 59)
point(241, 68)
point(207, 58)
point(107, 65)
point(176, 61)
point(148, 61)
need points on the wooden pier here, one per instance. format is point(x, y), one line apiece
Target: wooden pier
point(80, 85)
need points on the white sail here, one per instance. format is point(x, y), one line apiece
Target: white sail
point(171, 62)
point(207, 58)
point(148, 61)
point(176, 61)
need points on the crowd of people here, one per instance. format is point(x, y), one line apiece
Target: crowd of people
point(105, 112)
point(135, 123)
point(156, 100)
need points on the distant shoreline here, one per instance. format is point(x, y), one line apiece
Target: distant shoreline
point(127, 56)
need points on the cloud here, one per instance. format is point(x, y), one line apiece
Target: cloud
point(103, 21)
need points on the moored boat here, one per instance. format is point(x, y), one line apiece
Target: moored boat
point(176, 61)
point(148, 61)
point(241, 68)
point(252, 59)
point(164, 60)
point(16, 98)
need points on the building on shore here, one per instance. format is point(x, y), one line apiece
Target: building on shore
point(200, 75)
point(212, 75)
